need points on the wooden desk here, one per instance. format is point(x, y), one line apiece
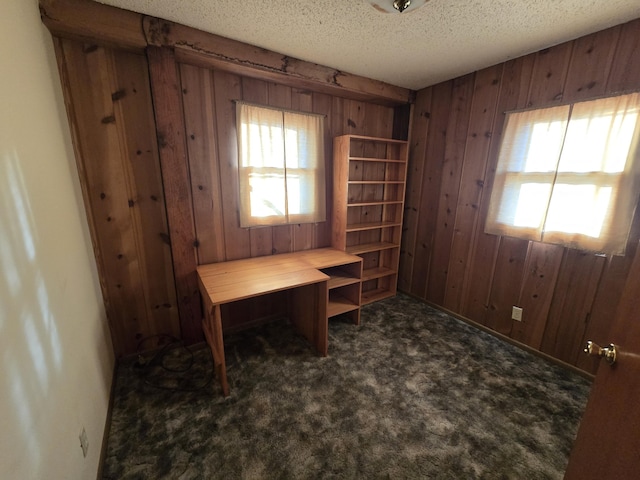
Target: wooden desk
point(321, 283)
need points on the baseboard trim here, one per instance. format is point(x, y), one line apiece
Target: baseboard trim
point(107, 422)
point(505, 338)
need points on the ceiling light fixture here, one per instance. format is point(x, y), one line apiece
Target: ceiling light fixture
point(401, 5)
point(395, 6)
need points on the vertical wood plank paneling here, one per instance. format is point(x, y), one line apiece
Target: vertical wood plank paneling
point(624, 75)
point(322, 231)
point(565, 294)
point(549, 75)
point(431, 186)
point(571, 306)
point(227, 88)
point(98, 143)
point(590, 65)
point(457, 128)
point(614, 276)
point(546, 88)
point(516, 76)
point(540, 276)
point(505, 288)
point(417, 154)
point(167, 103)
point(199, 116)
point(625, 68)
point(136, 127)
point(483, 110)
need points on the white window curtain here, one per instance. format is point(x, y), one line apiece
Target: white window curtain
point(569, 175)
point(281, 166)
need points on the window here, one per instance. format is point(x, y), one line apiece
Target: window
point(569, 174)
point(280, 165)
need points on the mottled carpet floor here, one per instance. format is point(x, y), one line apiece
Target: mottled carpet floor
point(411, 393)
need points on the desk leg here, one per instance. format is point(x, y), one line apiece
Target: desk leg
point(213, 332)
point(308, 313)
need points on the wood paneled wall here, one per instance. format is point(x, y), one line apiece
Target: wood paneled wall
point(568, 296)
point(111, 111)
point(112, 123)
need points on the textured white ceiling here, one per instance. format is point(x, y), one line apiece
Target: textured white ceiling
point(442, 40)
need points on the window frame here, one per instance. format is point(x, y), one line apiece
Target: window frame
point(624, 185)
point(317, 160)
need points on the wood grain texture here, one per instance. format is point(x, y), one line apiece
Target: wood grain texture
point(457, 128)
point(566, 295)
point(431, 180)
point(212, 51)
point(167, 102)
point(111, 118)
point(515, 80)
point(413, 196)
point(481, 121)
point(93, 22)
point(200, 125)
point(90, 21)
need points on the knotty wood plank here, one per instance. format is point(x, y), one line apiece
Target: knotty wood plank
point(415, 170)
point(546, 88)
point(590, 65)
point(508, 273)
point(266, 64)
point(87, 74)
point(625, 69)
point(200, 124)
point(167, 101)
point(240, 58)
point(431, 187)
point(514, 89)
point(549, 75)
point(481, 122)
point(136, 125)
point(450, 185)
point(540, 276)
point(94, 22)
point(571, 305)
point(623, 76)
point(227, 88)
point(614, 277)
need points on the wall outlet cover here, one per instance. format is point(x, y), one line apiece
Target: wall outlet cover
point(516, 313)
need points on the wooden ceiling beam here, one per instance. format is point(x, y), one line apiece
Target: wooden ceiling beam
point(93, 22)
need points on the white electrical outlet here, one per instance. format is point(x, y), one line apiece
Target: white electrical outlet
point(516, 313)
point(84, 442)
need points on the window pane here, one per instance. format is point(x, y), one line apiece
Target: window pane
point(530, 210)
point(281, 166)
point(578, 209)
point(267, 195)
point(544, 146)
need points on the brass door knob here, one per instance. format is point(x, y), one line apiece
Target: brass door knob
point(609, 353)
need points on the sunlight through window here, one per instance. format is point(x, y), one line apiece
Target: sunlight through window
point(280, 166)
point(569, 174)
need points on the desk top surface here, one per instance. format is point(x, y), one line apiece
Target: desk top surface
point(226, 282)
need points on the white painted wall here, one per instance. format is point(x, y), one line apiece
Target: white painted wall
point(57, 361)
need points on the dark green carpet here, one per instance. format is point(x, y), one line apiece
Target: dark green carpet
point(411, 393)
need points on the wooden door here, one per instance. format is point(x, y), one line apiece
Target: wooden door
point(608, 440)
